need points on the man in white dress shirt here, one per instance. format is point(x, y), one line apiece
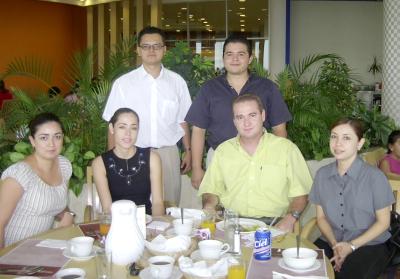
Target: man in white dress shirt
point(161, 98)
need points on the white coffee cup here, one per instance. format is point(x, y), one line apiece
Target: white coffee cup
point(212, 249)
point(183, 229)
point(161, 266)
point(80, 246)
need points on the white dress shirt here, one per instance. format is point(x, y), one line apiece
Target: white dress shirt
point(161, 103)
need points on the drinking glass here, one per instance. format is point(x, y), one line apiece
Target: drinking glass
point(103, 264)
point(237, 268)
point(208, 222)
point(231, 222)
point(105, 223)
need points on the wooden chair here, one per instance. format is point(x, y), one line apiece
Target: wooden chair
point(374, 156)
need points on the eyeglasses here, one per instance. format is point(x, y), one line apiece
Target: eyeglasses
point(152, 47)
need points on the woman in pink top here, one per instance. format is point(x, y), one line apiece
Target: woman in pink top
point(390, 164)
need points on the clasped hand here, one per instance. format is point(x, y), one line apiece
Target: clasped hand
point(340, 251)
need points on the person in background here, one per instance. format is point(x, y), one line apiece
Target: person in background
point(353, 201)
point(257, 174)
point(34, 191)
point(128, 172)
point(5, 94)
point(211, 110)
point(161, 98)
point(390, 164)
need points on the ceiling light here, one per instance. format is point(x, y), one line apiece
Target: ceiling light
point(242, 8)
point(205, 21)
point(190, 16)
point(207, 25)
point(184, 22)
point(242, 15)
point(183, 8)
point(202, 19)
point(242, 20)
point(167, 25)
point(242, 30)
point(242, 0)
point(242, 25)
point(178, 30)
point(258, 19)
point(229, 10)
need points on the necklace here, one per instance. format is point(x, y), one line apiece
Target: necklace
point(130, 171)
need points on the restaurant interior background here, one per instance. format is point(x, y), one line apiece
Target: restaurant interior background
point(53, 31)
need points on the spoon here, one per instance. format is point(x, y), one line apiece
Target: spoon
point(298, 245)
point(182, 214)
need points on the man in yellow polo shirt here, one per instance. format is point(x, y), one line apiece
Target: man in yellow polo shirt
point(257, 174)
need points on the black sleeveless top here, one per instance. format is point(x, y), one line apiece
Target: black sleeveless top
point(129, 179)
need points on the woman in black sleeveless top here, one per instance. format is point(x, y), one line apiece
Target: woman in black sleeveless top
point(128, 172)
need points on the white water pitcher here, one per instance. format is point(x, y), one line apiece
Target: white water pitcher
point(124, 239)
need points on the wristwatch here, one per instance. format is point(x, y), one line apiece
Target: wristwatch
point(295, 214)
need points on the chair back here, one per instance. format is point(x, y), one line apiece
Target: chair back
point(374, 156)
point(93, 205)
point(395, 184)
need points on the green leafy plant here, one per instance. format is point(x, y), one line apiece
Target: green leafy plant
point(85, 129)
point(375, 67)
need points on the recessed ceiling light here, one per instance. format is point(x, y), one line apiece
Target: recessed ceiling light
point(190, 16)
point(202, 19)
point(184, 22)
point(167, 25)
point(242, 25)
point(242, 0)
point(242, 20)
point(242, 8)
point(178, 30)
point(205, 21)
point(242, 15)
point(207, 25)
point(258, 19)
point(242, 30)
point(183, 8)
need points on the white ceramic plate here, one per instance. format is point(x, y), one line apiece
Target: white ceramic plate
point(315, 266)
point(196, 256)
point(79, 259)
point(246, 223)
point(176, 273)
point(148, 218)
point(70, 271)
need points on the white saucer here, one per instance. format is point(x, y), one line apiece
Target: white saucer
point(67, 254)
point(171, 232)
point(176, 273)
point(315, 266)
point(196, 256)
point(71, 271)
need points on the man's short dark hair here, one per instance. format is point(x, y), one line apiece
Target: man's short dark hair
point(151, 30)
point(238, 38)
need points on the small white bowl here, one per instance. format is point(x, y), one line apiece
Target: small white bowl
point(305, 260)
point(71, 271)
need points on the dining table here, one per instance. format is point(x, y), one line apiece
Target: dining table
point(121, 272)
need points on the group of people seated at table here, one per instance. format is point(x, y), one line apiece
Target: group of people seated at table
point(257, 174)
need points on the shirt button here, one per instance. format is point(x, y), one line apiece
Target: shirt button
point(340, 193)
point(341, 204)
point(341, 226)
point(342, 214)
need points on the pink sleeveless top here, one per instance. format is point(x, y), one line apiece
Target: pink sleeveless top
point(394, 164)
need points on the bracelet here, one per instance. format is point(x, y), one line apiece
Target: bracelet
point(73, 214)
point(353, 247)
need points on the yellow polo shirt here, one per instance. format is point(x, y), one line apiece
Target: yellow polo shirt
point(261, 185)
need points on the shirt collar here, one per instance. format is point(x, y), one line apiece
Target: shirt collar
point(264, 135)
point(143, 73)
point(352, 172)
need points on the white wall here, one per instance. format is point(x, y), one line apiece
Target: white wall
point(353, 30)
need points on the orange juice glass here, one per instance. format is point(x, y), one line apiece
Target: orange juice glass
point(105, 223)
point(237, 269)
point(208, 222)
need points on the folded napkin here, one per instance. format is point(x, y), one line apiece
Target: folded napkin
point(278, 275)
point(201, 269)
point(53, 243)
point(172, 245)
point(187, 212)
point(158, 225)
